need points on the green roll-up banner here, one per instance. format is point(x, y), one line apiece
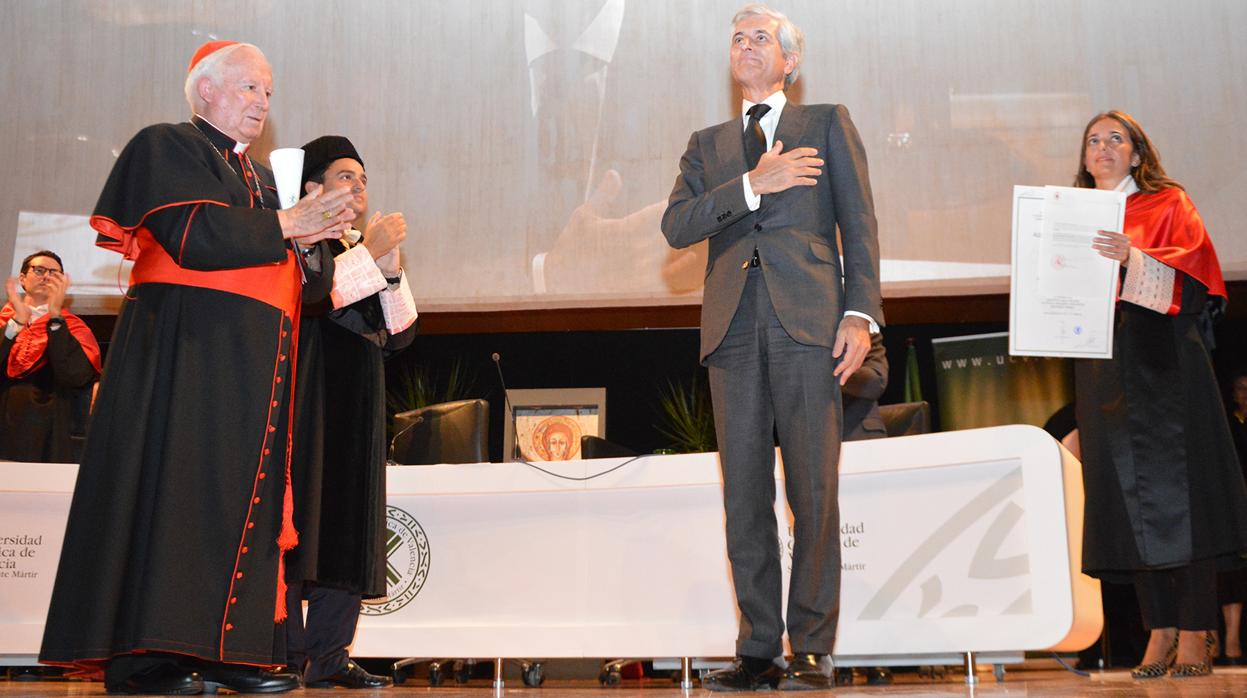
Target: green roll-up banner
point(980, 385)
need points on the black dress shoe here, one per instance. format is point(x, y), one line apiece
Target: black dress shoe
point(247, 679)
point(164, 680)
point(351, 676)
point(806, 673)
point(747, 674)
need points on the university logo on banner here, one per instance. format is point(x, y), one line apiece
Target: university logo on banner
point(406, 564)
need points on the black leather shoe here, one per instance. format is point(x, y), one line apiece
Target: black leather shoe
point(164, 680)
point(352, 676)
point(747, 674)
point(247, 679)
point(805, 673)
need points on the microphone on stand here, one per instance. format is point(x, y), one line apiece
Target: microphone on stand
point(506, 400)
point(394, 441)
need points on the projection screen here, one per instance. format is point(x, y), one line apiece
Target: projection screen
point(531, 144)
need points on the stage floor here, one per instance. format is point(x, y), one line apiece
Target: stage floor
point(1035, 678)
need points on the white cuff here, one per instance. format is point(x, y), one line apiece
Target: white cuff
point(398, 307)
point(1149, 282)
point(752, 200)
point(355, 277)
point(874, 326)
point(11, 328)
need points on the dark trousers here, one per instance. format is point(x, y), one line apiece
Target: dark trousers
point(1181, 597)
point(331, 618)
point(763, 382)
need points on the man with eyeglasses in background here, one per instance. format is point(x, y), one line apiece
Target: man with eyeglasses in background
point(49, 360)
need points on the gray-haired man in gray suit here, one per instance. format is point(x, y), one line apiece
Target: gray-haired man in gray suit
point(784, 323)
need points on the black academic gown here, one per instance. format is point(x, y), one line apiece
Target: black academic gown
point(1163, 484)
point(43, 416)
point(340, 446)
point(172, 540)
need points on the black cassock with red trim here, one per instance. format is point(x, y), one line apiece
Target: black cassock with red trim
point(173, 536)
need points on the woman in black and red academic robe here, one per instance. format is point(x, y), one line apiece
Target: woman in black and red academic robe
point(1166, 506)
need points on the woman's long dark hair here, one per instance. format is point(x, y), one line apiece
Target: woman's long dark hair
point(1149, 174)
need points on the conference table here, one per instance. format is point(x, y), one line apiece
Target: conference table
point(952, 543)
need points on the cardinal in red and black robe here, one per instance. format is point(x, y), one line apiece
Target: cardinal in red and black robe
point(182, 509)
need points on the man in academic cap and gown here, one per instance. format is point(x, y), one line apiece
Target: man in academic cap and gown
point(338, 471)
point(170, 575)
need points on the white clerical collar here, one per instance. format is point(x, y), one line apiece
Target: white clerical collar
point(1127, 185)
point(38, 311)
point(776, 100)
point(240, 148)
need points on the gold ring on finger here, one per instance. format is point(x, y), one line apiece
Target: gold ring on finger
point(327, 215)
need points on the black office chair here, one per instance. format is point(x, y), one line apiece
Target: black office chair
point(448, 432)
point(906, 418)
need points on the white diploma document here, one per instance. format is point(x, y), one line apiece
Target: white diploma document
point(287, 164)
point(1063, 293)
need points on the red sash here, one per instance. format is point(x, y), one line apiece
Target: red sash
point(278, 285)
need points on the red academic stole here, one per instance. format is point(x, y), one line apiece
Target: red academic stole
point(1166, 226)
point(29, 352)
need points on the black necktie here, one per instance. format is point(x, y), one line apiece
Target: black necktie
point(755, 139)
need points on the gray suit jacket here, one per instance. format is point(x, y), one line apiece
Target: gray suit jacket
point(793, 230)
